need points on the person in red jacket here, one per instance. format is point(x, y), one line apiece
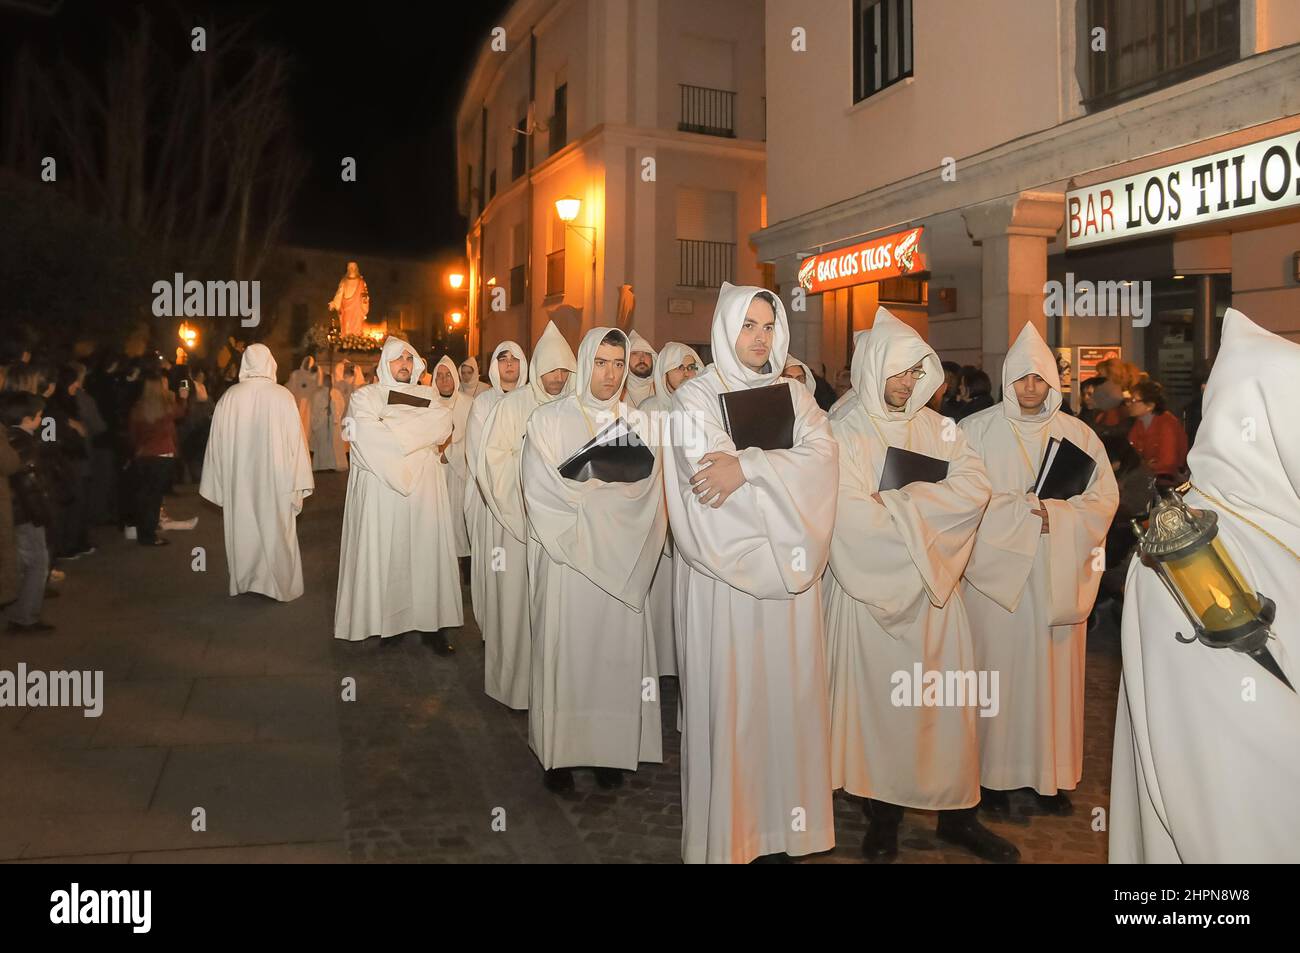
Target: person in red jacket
point(152, 426)
point(1156, 434)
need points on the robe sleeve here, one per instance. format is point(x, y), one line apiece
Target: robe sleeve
point(869, 558)
point(612, 533)
point(1077, 527)
point(771, 538)
point(938, 521)
point(387, 438)
point(1005, 548)
point(500, 453)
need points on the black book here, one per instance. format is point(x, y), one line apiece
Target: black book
point(906, 466)
point(760, 417)
point(410, 400)
point(615, 455)
point(1065, 471)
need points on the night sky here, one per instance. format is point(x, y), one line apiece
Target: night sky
point(378, 81)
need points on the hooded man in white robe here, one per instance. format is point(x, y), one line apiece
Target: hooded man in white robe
point(258, 470)
point(751, 529)
point(640, 370)
point(397, 564)
point(1031, 582)
point(507, 632)
point(328, 408)
point(593, 551)
point(797, 370)
point(895, 621)
point(1206, 765)
point(470, 385)
point(674, 364)
point(303, 384)
point(452, 455)
point(507, 371)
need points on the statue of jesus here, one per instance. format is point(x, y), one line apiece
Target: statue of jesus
point(351, 301)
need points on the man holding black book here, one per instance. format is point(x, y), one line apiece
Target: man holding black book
point(597, 527)
point(750, 479)
point(1033, 577)
point(911, 494)
point(504, 621)
point(397, 566)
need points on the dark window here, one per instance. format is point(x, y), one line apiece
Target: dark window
point(519, 151)
point(302, 267)
point(1150, 44)
point(882, 45)
point(555, 272)
point(704, 264)
point(492, 185)
point(560, 121)
point(711, 112)
point(516, 286)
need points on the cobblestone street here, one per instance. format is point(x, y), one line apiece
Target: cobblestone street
point(234, 705)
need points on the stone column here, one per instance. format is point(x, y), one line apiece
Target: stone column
point(1013, 233)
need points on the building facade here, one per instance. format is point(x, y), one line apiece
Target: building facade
point(650, 113)
point(1150, 145)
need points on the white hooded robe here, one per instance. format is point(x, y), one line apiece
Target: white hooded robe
point(258, 471)
point(640, 389)
point(747, 599)
point(593, 550)
point(1206, 762)
point(397, 564)
point(1028, 593)
point(892, 601)
point(456, 468)
point(507, 632)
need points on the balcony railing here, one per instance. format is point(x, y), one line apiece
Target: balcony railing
point(555, 273)
point(704, 264)
point(711, 112)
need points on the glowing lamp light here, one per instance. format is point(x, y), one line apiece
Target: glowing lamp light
point(567, 208)
point(455, 279)
point(1180, 544)
point(188, 334)
point(457, 317)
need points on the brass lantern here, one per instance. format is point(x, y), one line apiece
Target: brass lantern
point(1180, 544)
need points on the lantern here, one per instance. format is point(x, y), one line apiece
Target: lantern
point(1180, 544)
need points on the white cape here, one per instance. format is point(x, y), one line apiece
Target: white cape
point(892, 604)
point(1028, 594)
point(257, 470)
point(397, 564)
point(747, 599)
point(1203, 771)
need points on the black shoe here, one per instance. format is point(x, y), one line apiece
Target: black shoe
point(609, 778)
point(995, 803)
point(33, 628)
point(1053, 805)
point(880, 843)
point(559, 780)
point(773, 859)
point(438, 642)
point(962, 828)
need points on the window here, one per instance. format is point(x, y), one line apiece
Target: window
point(492, 185)
point(706, 237)
point(555, 259)
point(560, 119)
point(519, 150)
point(516, 286)
point(302, 267)
point(1150, 44)
point(882, 45)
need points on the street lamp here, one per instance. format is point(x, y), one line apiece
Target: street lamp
point(455, 279)
point(456, 318)
point(567, 208)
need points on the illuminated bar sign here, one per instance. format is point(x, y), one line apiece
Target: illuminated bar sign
point(888, 257)
point(1255, 178)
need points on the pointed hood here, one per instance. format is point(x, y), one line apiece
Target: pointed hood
point(1255, 383)
point(586, 357)
point(733, 302)
point(448, 402)
point(892, 347)
point(673, 356)
point(1030, 355)
point(494, 373)
point(257, 362)
point(551, 353)
point(809, 381)
point(638, 389)
point(392, 350)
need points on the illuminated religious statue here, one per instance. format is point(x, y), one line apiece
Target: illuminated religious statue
point(351, 301)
